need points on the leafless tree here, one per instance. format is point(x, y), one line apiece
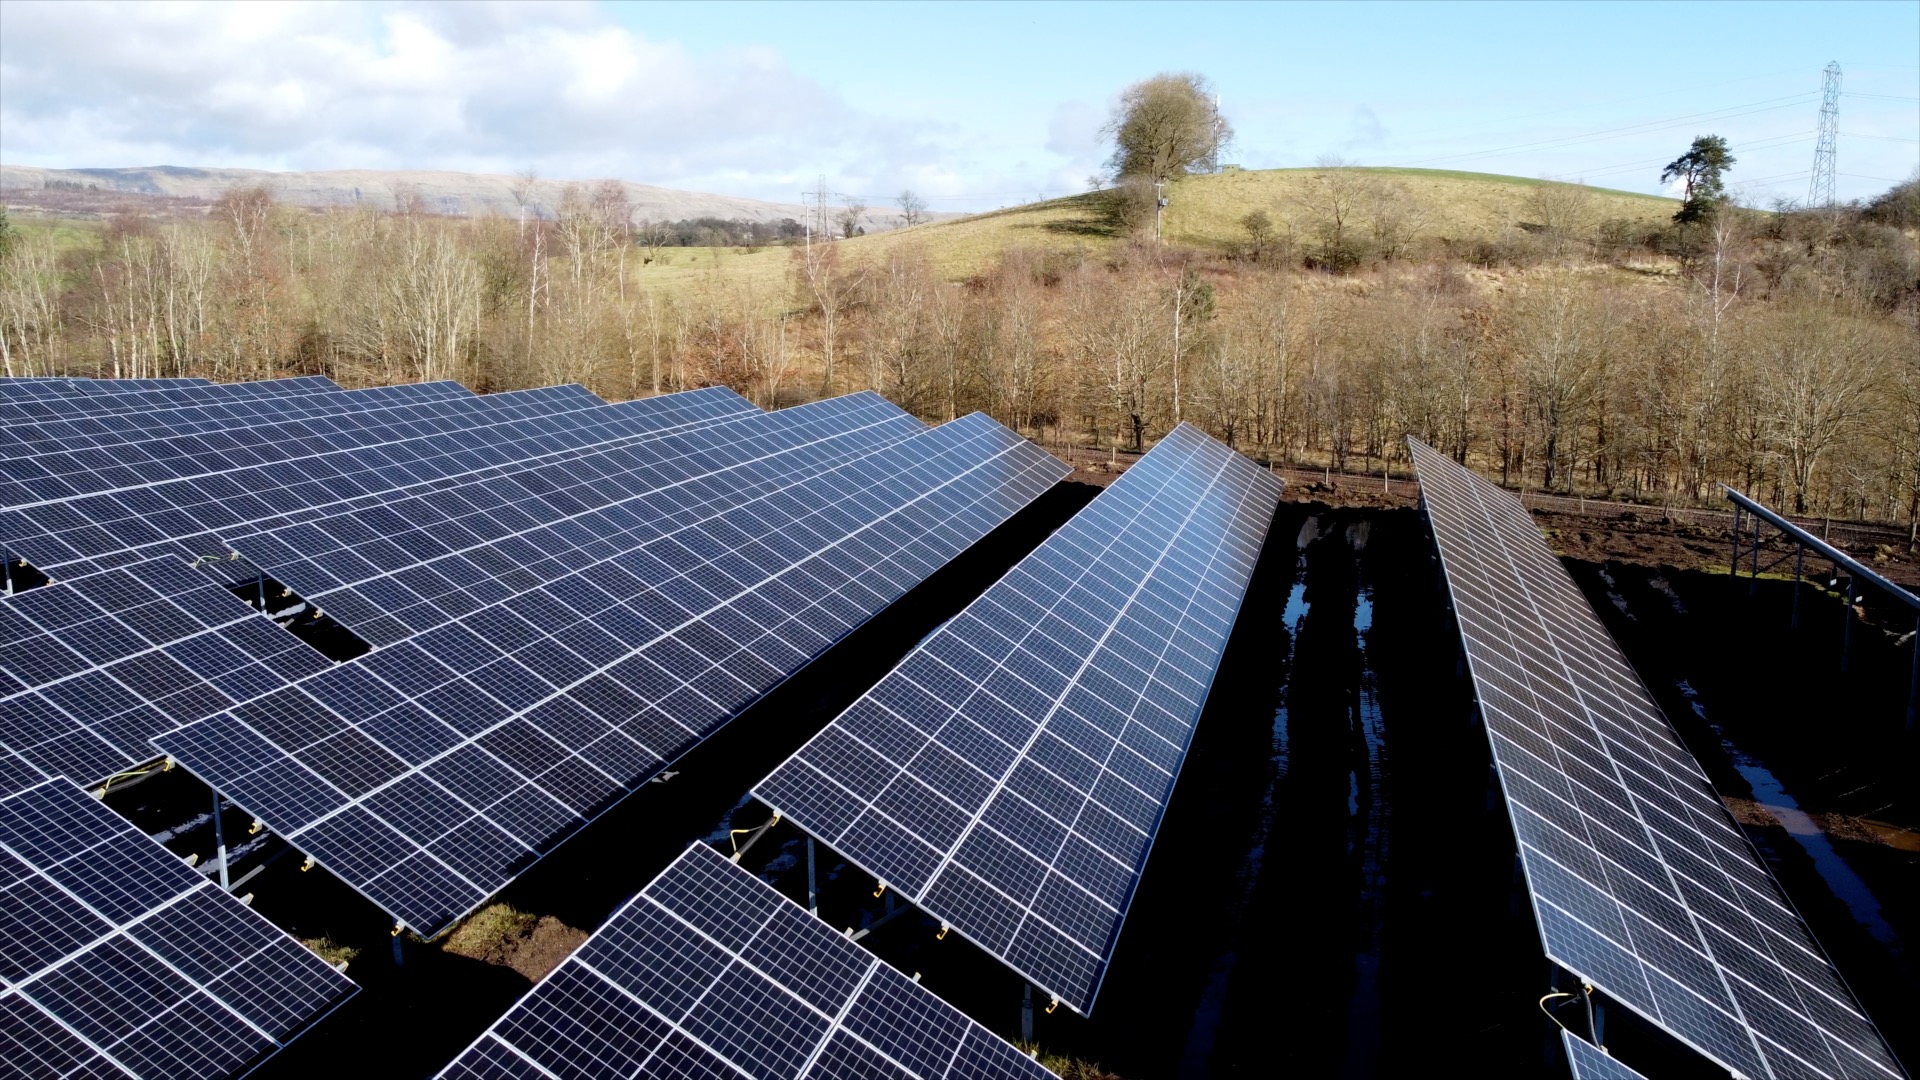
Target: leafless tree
point(852, 212)
point(913, 208)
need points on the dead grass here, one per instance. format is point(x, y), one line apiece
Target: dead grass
point(331, 951)
point(1067, 1068)
point(1204, 212)
point(503, 935)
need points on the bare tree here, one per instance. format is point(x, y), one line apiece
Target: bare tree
point(852, 212)
point(913, 208)
point(1334, 197)
point(1564, 211)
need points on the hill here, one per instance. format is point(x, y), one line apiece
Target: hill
point(1205, 212)
point(453, 193)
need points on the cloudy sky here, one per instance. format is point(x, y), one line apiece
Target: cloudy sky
point(973, 105)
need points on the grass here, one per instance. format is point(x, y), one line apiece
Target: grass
point(331, 951)
point(1203, 212)
point(505, 936)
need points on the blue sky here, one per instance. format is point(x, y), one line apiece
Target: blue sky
point(974, 105)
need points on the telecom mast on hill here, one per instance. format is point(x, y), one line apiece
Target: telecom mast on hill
point(1820, 188)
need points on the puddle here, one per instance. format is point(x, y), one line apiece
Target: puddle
point(1773, 796)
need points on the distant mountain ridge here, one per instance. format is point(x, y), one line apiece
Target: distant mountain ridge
point(454, 193)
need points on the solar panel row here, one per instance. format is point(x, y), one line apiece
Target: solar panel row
point(708, 972)
point(429, 772)
point(42, 387)
point(1009, 775)
point(1642, 883)
point(95, 403)
point(39, 426)
point(74, 534)
point(65, 465)
point(118, 960)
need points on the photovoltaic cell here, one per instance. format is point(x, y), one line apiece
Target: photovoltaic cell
point(91, 668)
point(709, 972)
point(1588, 1062)
point(406, 565)
point(1009, 775)
point(66, 469)
point(1641, 881)
point(429, 772)
point(230, 491)
point(116, 959)
point(105, 397)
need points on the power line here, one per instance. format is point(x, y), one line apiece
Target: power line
point(1646, 127)
point(1883, 138)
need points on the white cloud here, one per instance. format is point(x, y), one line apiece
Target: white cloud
point(486, 87)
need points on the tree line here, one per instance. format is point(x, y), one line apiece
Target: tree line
point(1776, 352)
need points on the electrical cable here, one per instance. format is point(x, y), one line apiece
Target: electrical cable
point(1646, 127)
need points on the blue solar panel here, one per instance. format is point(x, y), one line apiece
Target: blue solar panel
point(110, 411)
point(429, 772)
point(1009, 775)
point(1589, 1062)
point(118, 960)
point(709, 972)
point(225, 488)
point(1642, 883)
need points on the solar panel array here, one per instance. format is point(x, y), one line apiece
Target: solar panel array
point(1009, 775)
point(243, 489)
point(96, 664)
point(709, 972)
point(1641, 881)
point(116, 959)
point(1588, 1062)
point(428, 772)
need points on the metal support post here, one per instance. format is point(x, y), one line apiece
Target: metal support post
point(813, 893)
point(1799, 555)
point(260, 587)
point(399, 950)
point(1756, 545)
point(1026, 1014)
point(1913, 682)
point(1599, 1023)
point(1846, 629)
point(220, 839)
point(1733, 568)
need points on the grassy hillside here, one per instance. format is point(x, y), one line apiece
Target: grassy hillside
point(1204, 211)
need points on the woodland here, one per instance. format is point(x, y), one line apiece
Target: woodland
point(1776, 351)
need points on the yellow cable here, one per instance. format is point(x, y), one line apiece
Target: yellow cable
point(1550, 1016)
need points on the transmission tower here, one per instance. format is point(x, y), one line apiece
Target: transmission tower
point(1820, 188)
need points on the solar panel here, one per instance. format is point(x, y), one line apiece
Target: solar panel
point(405, 566)
point(1009, 775)
point(66, 534)
point(709, 972)
point(1588, 1062)
point(108, 408)
point(92, 669)
point(33, 388)
point(429, 772)
point(1641, 881)
point(118, 960)
point(76, 434)
point(101, 663)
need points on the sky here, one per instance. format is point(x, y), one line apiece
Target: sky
point(972, 105)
